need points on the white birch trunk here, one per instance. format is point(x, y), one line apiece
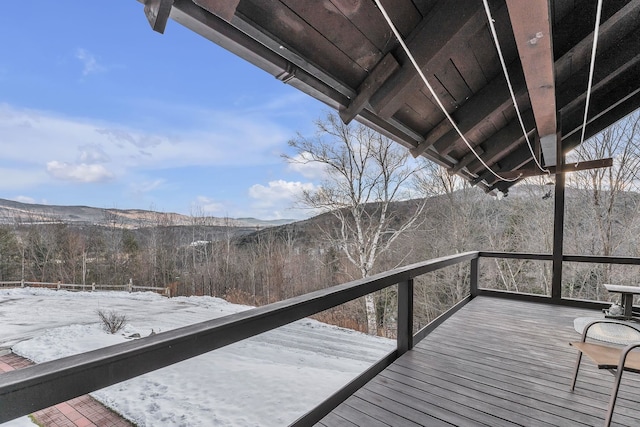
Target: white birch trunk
point(370, 305)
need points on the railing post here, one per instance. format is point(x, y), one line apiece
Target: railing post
point(473, 279)
point(558, 230)
point(405, 317)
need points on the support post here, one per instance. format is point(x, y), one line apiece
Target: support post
point(473, 279)
point(558, 228)
point(405, 317)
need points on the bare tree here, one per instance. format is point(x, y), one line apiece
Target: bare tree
point(10, 254)
point(365, 173)
point(611, 210)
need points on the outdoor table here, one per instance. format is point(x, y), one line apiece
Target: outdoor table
point(626, 300)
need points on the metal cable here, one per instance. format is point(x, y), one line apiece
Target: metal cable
point(433, 93)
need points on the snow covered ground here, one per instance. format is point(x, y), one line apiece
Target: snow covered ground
point(267, 380)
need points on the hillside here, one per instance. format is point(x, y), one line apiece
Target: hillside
point(12, 212)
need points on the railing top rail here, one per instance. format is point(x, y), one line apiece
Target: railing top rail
point(66, 378)
point(596, 259)
point(599, 259)
point(515, 255)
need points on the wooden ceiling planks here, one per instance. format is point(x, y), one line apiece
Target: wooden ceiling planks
point(382, 71)
point(422, 120)
point(612, 63)
point(298, 36)
point(403, 13)
point(454, 83)
point(467, 65)
point(431, 44)
point(329, 21)
point(491, 101)
point(502, 142)
point(367, 19)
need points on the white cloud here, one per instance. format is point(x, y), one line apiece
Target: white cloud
point(306, 168)
point(77, 150)
point(89, 62)
point(209, 206)
point(279, 190)
point(278, 200)
point(213, 139)
point(146, 186)
point(92, 153)
point(78, 172)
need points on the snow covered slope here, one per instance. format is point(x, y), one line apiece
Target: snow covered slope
point(268, 380)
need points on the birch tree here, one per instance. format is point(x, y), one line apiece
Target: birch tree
point(365, 173)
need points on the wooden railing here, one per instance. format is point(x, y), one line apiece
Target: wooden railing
point(127, 287)
point(27, 390)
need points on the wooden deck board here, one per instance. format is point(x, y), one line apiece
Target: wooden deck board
point(496, 362)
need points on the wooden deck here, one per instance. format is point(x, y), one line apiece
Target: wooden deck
point(496, 363)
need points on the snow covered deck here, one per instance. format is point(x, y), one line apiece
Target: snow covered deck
point(496, 362)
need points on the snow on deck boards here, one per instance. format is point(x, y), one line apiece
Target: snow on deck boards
point(496, 362)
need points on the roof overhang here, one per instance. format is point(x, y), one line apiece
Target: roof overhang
point(344, 54)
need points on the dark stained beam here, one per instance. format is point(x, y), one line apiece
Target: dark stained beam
point(466, 160)
point(558, 228)
point(483, 104)
point(158, 12)
point(612, 66)
point(517, 159)
point(616, 111)
point(571, 167)
point(615, 99)
point(436, 133)
point(611, 32)
point(491, 102)
point(619, 76)
point(531, 23)
point(383, 70)
point(225, 9)
point(431, 44)
point(503, 142)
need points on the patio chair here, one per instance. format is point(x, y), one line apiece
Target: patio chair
point(615, 359)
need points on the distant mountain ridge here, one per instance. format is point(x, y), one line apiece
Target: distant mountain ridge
point(12, 212)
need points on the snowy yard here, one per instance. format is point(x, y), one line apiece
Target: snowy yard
point(267, 380)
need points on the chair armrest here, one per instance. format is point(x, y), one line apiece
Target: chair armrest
point(595, 322)
point(625, 352)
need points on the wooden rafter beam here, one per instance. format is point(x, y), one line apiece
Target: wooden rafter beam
point(482, 106)
point(157, 12)
point(531, 24)
point(614, 65)
point(431, 45)
point(611, 32)
point(466, 160)
point(495, 98)
point(566, 168)
point(371, 84)
point(225, 9)
point(502, 143)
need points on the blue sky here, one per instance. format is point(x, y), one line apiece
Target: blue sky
point(97, 109)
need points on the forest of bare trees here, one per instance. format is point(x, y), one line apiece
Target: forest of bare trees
point(602, 218)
